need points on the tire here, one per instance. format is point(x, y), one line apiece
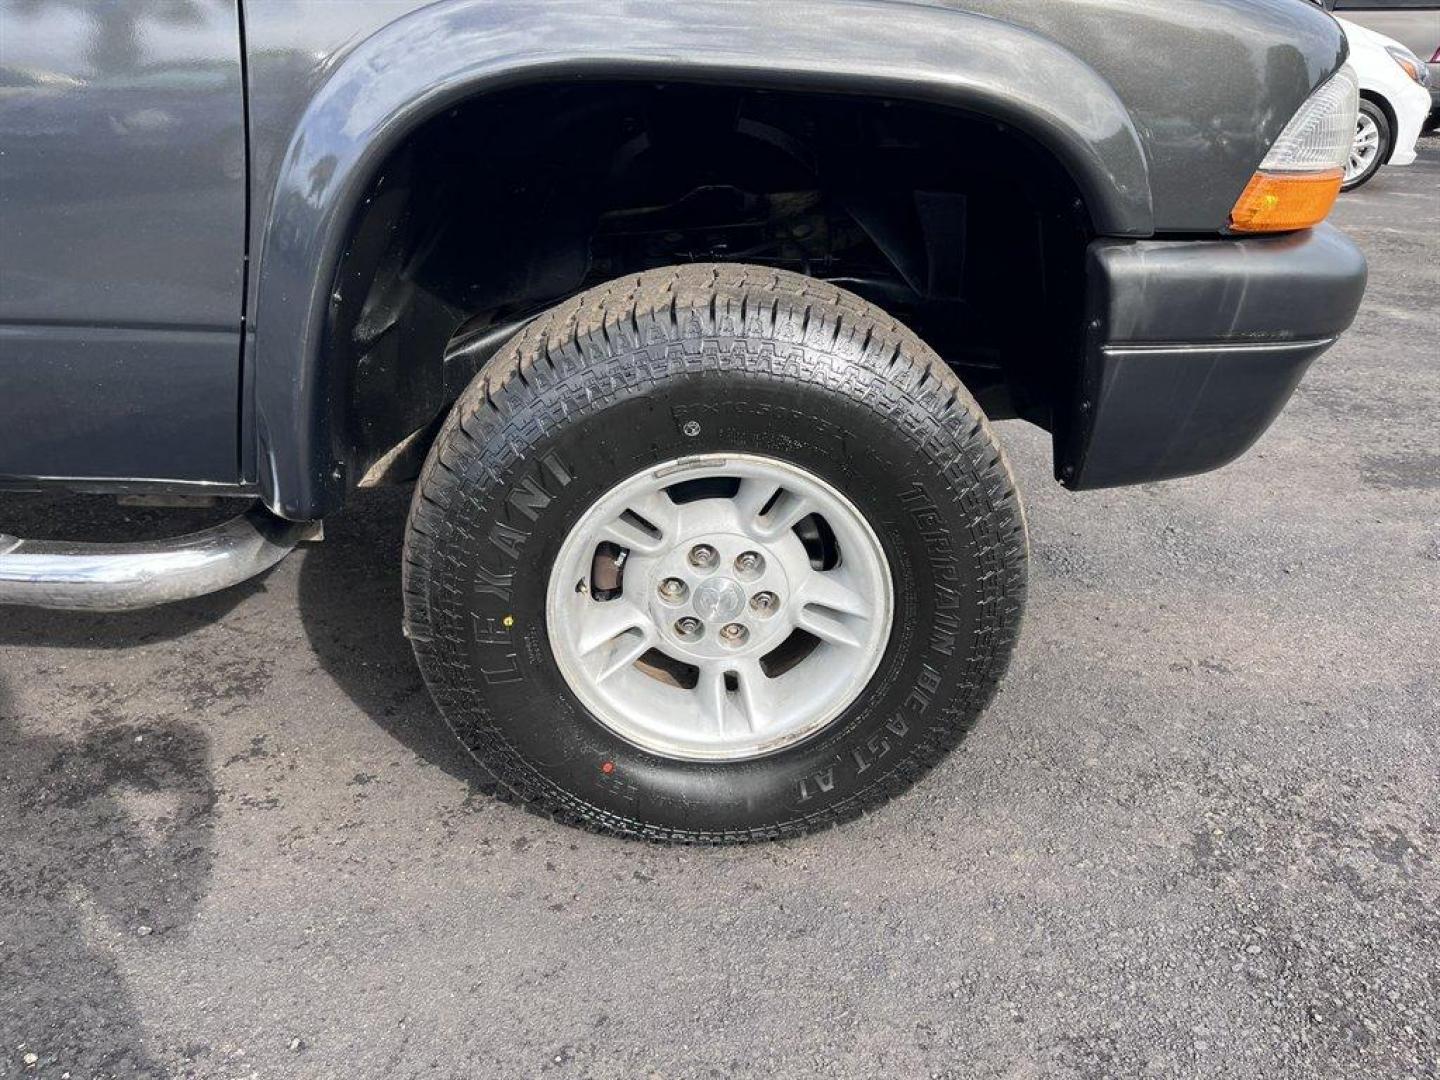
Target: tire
point(1375, 125)
point(680, 363)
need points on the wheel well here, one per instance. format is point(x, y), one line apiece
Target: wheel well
point(1384, 105)
point(959, 226)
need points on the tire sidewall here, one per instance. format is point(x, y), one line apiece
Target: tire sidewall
point(923, 513)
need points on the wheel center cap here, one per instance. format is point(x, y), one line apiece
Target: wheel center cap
point(719, 599)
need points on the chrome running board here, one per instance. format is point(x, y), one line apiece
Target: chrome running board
point(126, 577)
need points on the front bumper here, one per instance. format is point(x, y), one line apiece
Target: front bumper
point(1194, 346)
point(1412, 110)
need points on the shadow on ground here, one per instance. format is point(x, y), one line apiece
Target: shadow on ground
point(351, 607)
point(105, 845)
point(119, 630)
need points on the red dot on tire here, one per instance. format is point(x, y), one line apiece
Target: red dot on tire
point(607, 767)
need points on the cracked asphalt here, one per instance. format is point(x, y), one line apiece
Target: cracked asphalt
point(1196, 835)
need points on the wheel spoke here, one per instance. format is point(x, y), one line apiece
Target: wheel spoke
point(789, 510)
point(752, 496)
point(828, 626)
point(783, 508)
point(753, 693)
point(747, 708)
point(831, 609)
point(712, 697)
point(627, 648)
point(827, 589)
point(660, 664)
point(601, 623)
point(644, 525)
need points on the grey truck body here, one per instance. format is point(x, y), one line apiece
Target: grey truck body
point(182, 180)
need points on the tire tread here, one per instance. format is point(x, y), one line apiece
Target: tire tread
point(501, 411)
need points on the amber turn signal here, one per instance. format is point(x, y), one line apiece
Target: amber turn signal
point(1281, 202)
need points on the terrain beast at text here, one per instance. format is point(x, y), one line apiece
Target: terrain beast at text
point(687, 322)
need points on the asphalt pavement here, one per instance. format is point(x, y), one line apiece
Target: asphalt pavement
point(1197, 835)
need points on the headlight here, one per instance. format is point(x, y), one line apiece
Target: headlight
point(1319, 135)
point(1300, 177)
point(1410, 63)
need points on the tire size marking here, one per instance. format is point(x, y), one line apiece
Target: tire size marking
point(493, 583)
point(528, 497)
point(947, 623)
point(499, 662)
point(941, 552)
point(618, 787)
point(822, 781)
point(877, 745)
point(490, 630)
point(943, 632)
point(508, 539)
point(926, 683)
point(498, 657)
point(498, 676)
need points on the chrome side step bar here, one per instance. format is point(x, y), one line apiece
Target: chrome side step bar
point(126, 577)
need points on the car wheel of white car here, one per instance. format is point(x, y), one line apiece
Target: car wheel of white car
point(1371, 147)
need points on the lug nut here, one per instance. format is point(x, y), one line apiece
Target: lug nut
point(689, 628)
point(764, 603)
point(734, 634)
point(703, 556)
point(749, 563)
point(673, 590)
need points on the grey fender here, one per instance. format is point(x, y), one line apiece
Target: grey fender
point(417, 66)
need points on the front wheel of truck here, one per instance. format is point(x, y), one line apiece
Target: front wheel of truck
point(713, 554)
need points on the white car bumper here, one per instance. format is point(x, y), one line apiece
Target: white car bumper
point(1412, 105)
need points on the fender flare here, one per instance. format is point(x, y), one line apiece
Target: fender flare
point(419, 65)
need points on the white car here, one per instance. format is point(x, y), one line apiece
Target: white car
point(1394, 102)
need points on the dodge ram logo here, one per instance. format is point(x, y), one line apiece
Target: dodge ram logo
point(719, 600)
